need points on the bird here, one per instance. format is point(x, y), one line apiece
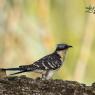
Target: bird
point(47, 65)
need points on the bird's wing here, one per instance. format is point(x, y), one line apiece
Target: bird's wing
point(48, 62)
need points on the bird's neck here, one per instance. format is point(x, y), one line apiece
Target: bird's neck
point(62, 54)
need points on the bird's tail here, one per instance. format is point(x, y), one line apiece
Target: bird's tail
point(18, 72)
point(20, 69)
point(10, 69)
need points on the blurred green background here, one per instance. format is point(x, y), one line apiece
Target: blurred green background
point(30, 29)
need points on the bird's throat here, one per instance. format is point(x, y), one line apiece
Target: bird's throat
point(62, 54)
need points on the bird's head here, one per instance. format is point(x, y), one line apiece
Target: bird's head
point(61, 47)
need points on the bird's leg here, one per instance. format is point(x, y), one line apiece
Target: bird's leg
point(43, 77)
point(47, 75)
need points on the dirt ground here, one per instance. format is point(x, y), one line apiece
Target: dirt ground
point(27, 86)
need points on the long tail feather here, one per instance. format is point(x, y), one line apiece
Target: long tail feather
point(18, 72)
point(11, 69)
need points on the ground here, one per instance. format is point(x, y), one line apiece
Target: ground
point(27, 86)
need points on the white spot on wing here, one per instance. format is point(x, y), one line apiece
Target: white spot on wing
point(50, 64)
point(44, 65)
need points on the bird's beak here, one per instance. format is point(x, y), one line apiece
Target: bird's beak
point(69, 46)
